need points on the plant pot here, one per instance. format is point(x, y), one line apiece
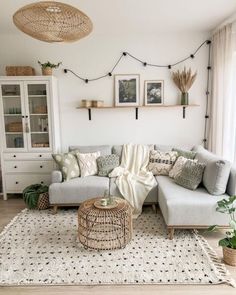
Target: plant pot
point(47, 71)
point(184, 98)
point(229, 256)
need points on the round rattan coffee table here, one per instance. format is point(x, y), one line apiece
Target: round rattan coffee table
point(105, 228)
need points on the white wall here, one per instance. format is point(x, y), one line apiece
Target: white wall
point(95, 55)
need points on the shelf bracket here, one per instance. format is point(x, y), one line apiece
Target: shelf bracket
point(136, 113)
point(89, 114)
point(184, 111)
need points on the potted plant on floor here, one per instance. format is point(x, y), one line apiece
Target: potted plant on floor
point(47, 67)
point(228, 206)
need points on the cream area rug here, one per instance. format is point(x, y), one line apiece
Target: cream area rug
point(39, 248)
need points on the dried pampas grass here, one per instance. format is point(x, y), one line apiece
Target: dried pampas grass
point(184, 79)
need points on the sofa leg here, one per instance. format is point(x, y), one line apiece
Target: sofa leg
point(154, 208)
point(55, 209)
point(171, 231)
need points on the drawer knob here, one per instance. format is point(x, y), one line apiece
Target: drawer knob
point(41, 166)
point(42, 182)
point(14, 156)
point(17, 182)
point(15, 167)
point(40, 156)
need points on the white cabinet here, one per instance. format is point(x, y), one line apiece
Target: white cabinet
point(30, 130)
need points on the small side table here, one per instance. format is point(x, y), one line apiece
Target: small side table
point(105, 228)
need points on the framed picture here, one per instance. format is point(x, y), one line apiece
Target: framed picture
point(154, 92)
point(127, 90)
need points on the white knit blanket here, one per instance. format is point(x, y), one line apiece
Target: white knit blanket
point(133, 179)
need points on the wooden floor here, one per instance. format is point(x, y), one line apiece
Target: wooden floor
point(8, 209)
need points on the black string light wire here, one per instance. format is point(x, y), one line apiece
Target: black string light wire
point(144, 63)
point(170, 66)
point(207, 93)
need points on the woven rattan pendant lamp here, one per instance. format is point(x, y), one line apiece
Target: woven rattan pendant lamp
point(52, 21)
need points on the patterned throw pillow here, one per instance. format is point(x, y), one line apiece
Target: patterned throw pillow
point(191, 175)
point(88, 163)
point(178, 166)
point(160, 163)
point(107, 163)
point(185, 154)
point(68, 165)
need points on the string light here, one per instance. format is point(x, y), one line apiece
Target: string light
point(124, 54)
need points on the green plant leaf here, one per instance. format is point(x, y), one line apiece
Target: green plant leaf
point(233, 242)
point(212, 228)
point(224, 242)
point(233, 224)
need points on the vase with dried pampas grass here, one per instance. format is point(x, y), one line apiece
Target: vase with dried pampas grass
point(184, 81)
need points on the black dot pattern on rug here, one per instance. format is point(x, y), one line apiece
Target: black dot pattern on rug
point(41, 248)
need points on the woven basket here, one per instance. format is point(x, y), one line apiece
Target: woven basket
point(14, 127)
point(20, 71)
point(229, 256)
point(42, 109)
point(47, 71)
point(43, 201)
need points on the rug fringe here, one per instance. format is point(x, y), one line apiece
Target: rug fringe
point(220, 267)
point(7, 227)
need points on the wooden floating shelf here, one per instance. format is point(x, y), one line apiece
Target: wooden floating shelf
point(139, 107)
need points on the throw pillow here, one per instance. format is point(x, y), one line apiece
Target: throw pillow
point(107, 163)
point(216, 173)
point(160, 163)
point(68, 165)
point(191, 175)
point(88, 163)
point(178, 166)
point(184, 153)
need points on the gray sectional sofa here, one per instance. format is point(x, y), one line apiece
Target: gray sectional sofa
point(180, 207)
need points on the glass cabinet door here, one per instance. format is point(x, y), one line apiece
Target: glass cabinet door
point(13, 110)
point(38, 121)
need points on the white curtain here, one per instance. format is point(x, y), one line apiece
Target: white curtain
point(223, 104)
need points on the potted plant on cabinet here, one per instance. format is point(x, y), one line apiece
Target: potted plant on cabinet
point(47, 67)
point(228, 206)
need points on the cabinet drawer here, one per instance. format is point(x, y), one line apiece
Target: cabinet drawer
point(28, 166)
point(27, 156)
point(17, 183)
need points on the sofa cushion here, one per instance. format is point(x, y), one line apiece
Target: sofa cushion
point(88, 163)
point(117, 149)
point(178, 166)
point(68, 165)
point(114, 191)
point(191, 175)
point(167, 148)
point(183, 207)
point(231, 186)
point(107, 163)
point(185, 153)
point(160, 163)
point(216, 173)
point(103, 149)
point(77, 190)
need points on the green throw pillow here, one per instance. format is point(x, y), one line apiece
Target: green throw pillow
point(191, 175)
point(68, 165)
point(107, 163)
point(185, 154)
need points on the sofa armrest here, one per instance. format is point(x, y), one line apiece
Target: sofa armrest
point(231, 186)
point(56, 176)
